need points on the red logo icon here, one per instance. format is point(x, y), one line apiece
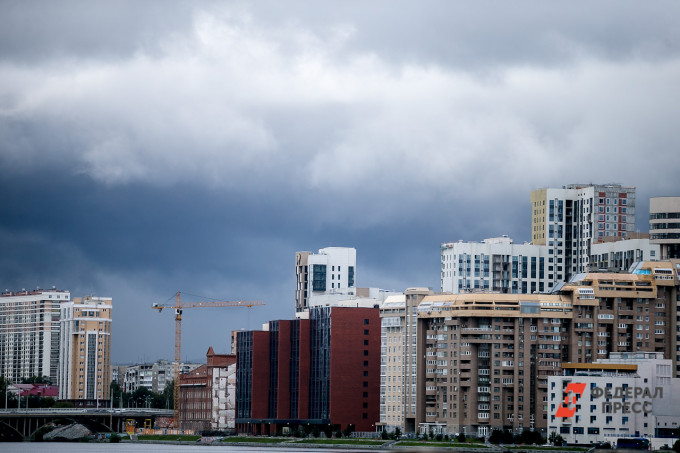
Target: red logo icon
point(564, 410)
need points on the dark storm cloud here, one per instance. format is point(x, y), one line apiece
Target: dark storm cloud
point(152, 147)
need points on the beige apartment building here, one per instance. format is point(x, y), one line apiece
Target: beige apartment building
point(484, 359)
point(398, 360)
point(85, 351)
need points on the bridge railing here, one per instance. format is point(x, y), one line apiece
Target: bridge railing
point(101, 410)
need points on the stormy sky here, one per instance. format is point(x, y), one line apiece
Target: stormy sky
point(149, 147)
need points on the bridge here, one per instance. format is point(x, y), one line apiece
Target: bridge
point(22, 424)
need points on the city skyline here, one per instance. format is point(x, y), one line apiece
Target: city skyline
point(199, 151)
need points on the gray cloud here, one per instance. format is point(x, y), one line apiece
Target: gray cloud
point(190, 146)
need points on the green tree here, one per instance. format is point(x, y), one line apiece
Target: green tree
point(555, 439)
point(168, 395)
point(116, 393)
point(39, 379)
point(676, 446)
point(4, 395)
point(496, 436)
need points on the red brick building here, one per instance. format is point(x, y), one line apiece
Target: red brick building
point(324, 371)
point(205, 395)
point(194, 399)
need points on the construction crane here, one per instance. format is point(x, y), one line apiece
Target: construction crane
point(178, 306)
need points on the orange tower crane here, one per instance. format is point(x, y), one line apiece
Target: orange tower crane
point(178, 306)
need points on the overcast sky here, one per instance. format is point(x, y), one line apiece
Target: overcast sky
point(149, 147)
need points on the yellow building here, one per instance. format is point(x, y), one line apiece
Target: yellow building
point(85, 351)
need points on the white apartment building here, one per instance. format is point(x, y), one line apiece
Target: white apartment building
point(153, 376)
point(571, 219)
point(626, 395)
point(664, 225)
point(398, 360)
point(85, 349)
point(499, 265)
point(331, 271)
point(622, 254)
point(29, 333)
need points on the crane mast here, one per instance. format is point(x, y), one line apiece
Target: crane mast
point(178, 307)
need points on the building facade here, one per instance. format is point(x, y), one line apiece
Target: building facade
point(398, 360)
point(195, 401)
point(664, 225)
point(85, 350)
point(484, 359)
point(207, 394)
point(152, 376)
point(330, 271)
point(571, 219)
point(498, 264)
point(621, 254)
point(596, 394)
point(323, 371)
point(221, 374)
point(29, 333)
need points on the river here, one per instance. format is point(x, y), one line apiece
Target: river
point(127, 447)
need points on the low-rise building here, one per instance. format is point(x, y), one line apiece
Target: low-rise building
point(625, 395)
point(207, 394)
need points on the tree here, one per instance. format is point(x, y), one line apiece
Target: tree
point(496, 436)
point(397, 433)
point(461, 437)
point(168, 395)
point(4, 395)
point(676, 446)
point(39, 379)
point(555, 439)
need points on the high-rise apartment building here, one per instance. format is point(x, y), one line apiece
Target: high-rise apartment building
point(85, 350)
point(664, 225)
point(497, 264)
point(398, 360)
point(323, 371)
point(29, 333)
point(484, 359)
point(331, 271)
point(571, 219)
point(571, 227)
